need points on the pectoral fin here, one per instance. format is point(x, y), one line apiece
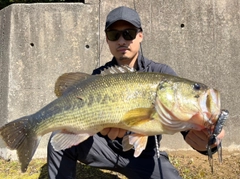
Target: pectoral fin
point(136, 141)
point(138, 116)
point(144, 121)
point(61, 141)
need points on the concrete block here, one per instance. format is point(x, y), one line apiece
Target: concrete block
point(200, 40)
point(39, 42)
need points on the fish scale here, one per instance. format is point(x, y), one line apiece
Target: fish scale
point(144, 103)
point(87, 115)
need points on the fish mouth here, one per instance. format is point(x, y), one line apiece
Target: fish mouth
point(210, 106)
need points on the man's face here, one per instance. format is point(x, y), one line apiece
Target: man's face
point(124, 50)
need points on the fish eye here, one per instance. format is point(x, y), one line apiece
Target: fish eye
point(196, 86)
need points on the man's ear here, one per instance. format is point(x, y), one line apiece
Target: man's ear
point(140, 36)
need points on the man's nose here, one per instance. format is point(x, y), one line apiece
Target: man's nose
point(121, 40)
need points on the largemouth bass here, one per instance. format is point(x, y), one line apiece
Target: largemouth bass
point(145, 103)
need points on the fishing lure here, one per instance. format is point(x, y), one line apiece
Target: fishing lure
point(213, 138)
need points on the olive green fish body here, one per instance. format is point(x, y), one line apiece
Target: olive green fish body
point(144, 103)
point(98, 103)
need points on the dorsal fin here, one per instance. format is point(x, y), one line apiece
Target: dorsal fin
point(67, 80)
point(117, 69)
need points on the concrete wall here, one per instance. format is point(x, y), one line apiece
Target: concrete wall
point(41, 42)
point(200, 40)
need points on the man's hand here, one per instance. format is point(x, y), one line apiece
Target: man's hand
point(113, 133)
point(199, 139)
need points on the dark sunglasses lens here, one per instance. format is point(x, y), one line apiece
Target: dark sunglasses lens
point(113, 35)
point(129, 34)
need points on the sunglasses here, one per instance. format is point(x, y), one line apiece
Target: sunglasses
point(127, 34)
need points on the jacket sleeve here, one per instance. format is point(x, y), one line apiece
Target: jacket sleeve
point(163, 68)
point(153, 66)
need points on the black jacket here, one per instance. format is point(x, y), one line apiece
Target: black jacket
point(144, 65)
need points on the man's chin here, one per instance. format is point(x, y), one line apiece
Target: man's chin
point(124, 58)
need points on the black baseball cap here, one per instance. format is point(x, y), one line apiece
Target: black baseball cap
point(123, 13)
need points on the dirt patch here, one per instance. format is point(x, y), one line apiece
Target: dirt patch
point(191, 164)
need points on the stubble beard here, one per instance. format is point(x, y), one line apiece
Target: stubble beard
point(126, 60)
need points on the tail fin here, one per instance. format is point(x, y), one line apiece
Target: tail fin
point(18, 136)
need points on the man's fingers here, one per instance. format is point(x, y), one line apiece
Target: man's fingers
point(199, 136)
point(113, 133)
point(221, 135)
point(197, 139)
point(121, 133)
point(105, 131)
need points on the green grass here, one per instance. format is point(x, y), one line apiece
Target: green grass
point(38, 169)
point(11, 169)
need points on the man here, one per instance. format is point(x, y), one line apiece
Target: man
point(104, 150)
